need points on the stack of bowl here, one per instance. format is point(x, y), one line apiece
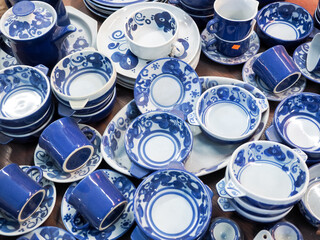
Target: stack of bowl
point(25, 103)
point(264, 180)
point(84, 85)
point(200, 10)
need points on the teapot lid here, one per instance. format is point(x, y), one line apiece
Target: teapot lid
point(28, 20)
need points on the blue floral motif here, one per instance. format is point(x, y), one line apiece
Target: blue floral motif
point(240, 159)
point(126, 60)
point(276, 152)
point(166, 21)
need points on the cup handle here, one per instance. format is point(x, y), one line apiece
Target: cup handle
point(211, 42)
point(301, 153)
point(88, 131)
point(192, 119)
point(220, 187)
point(7, 49)
point(210, 25)
point(74, 225)
point(272, 134)
point(177, 50)
point(63, 110)
point(175, 165)
point(263, 104)
point(42, 68)
point(233, 191)
point(263, 235)
point(33, 168)
point(78, 105)
point(137, 234)
point(137, 171)
point(225, 204)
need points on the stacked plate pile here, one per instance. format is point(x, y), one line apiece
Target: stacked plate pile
point(111, 41)
point(25, 103)
point(104, 8)
point(84, 85)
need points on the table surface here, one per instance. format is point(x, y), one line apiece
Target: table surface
point(23, 153)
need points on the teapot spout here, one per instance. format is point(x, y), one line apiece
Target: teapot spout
point(61, 33)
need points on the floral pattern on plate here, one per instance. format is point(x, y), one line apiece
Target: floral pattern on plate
point(250, 77)
point(9, 227)
point(48, 233)
point(54, 173)
point(116, 230)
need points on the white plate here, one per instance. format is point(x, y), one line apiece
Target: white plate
point(10, 227)
point(111, 40)
point(206, 156)
point(56, 174)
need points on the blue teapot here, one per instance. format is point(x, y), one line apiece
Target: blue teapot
point(33, 34)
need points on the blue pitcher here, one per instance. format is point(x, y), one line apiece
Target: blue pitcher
point(33, 34)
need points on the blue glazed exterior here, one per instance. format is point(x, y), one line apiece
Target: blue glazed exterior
point(302, 104)
point(199, 4)
point(179, 180)
point(30, 51)
point(16, 189)
point(276, 69)
point(66, 144)
point(13, 78)
point(95, 197)
point(286, 12)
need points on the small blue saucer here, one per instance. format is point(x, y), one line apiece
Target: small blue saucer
point(216, 56)
point(52, 233)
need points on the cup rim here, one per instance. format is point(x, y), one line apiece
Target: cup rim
point(153, 46)
point(64, 166)
point(123, 204)
point(298, 73)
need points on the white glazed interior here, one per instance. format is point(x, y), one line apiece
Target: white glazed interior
point(236, 10)
point(311, 199)
point(313, 55)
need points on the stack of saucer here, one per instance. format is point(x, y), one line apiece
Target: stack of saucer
point(112, 42)
point(104, 8)
point(84, 85)
point(26, 105)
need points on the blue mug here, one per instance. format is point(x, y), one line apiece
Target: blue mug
point(233, 19)
point(20, 195)
point(67, 144)
point(33, 35)
point(276, 69)
point(97, 200)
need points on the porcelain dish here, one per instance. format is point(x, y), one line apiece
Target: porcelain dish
point(52, 233)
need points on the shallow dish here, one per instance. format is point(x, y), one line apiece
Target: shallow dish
point(169, 85)
point(284, 23)
point(155, 139)
point(83, 78)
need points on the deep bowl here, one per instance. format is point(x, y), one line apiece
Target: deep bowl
point(284, 23)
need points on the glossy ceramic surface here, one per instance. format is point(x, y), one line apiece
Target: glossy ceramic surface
point(284, 23)
point(285, 230)
point(172, 204)
point(126, 187)
point(52, 233)
point(55, 174)
point(312, 61)
point(206, 156)
point(151, 91)
point(224, 228)
point(213, 53)
point(111, 40)
point(249, 76)
point(10, 227)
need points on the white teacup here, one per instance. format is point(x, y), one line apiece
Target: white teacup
point(152, 33)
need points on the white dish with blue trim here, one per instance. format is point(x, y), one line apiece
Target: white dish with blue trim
point(50, 233)
point(11, 227)
point(249, 76)
point(300, 57)
point(56, 174)
point(206, 157)
point(112, 42)
point(116, 230)
point(216, 56)
point(117, 3)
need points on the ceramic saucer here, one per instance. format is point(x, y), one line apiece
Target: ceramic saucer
point(117, 3)
point(84, 37)
point(111, 40)
point(300, 57)
point(52, 233)
point(9, 227)
point(116, 230)
point(55, 174)
point(206, 156)
point(250, 77)
point(216, 56)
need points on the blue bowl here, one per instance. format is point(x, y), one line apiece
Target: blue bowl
point(297, 121)
point(284, 23)
point(25, 95)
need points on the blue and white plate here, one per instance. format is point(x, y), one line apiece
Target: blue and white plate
point(169, 85)
point(54, 173)
point(249, 76)
point(117, 3)
point(50, 233)
point(206, 156)
point(300, 58)
point(84, 37)
point(216, 56)
point(9, 227)
point(116, 230)
point(112, 42)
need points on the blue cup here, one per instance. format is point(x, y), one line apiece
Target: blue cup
point(230, 48)
point(66, 144)
point(233, 19)
point(97, 200)
point(20, 195)
point(276, 69)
